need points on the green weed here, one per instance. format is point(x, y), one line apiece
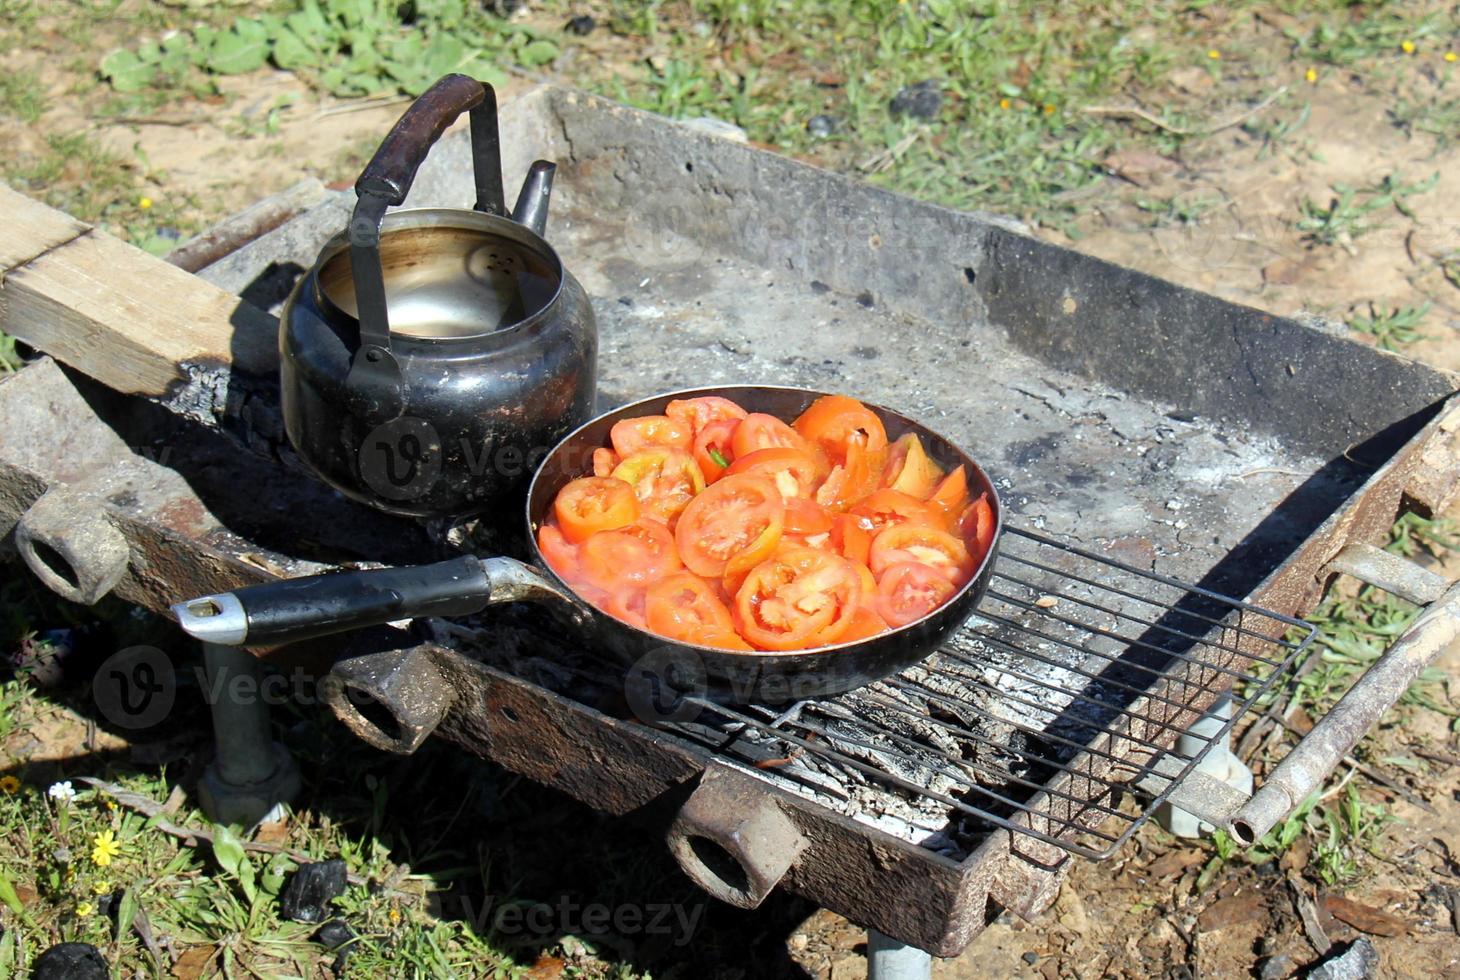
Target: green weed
point(1393, 327)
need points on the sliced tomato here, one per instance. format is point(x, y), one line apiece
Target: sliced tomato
point(720, 639)
point(951, 494)
point(919, 543)
point(885, 508)
point(759, 431)
point(631, 435)
point(627, 605)
point(684, 606)
point(739, 515)
point(700, 412)
point(866, 622)
point(664, 480)
point(604, 460)
point(638, 554)
point(805, 516)
point(712, 448)
point(909, 469)
point(560, 554)
point(594, 503)
point(849, 538)
point(976, 527)
point(853, 478)
point(834, 421)
point(795, 473)
point(799, 597)
point(910, 590)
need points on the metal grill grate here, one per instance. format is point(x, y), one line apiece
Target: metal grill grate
point(1075, 677)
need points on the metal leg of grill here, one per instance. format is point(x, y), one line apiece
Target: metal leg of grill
point(1220, 763)
point(251, 775)
point(888, 959)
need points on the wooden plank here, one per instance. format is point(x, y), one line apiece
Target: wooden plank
point(32, 229)
point(129, 319)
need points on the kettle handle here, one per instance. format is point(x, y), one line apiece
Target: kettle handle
point(374, 380)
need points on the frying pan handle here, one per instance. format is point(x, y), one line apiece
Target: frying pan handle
point(374, 382)
point(291, 610)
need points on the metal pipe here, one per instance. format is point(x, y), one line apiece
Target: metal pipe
point(889, 959)
point(240, 717)
point(1395, 575)
point(1319, 753)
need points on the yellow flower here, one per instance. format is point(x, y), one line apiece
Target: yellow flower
point(145, 203)
point(1004, 103)
point(9, 785)
point(1214, 54)
point(394, 915)
point(1311, 74)
point(1407, 47)
point(1451, 57)
point(104, 847)
point(102, 888)
point(1049, 108)
point(85, 909)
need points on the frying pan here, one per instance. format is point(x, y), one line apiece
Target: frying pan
point(296, 609)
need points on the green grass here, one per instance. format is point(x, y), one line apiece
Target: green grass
point(1393, 327)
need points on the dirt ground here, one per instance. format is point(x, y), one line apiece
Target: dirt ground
point(1139, 914)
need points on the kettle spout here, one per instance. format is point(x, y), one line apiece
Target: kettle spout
point(532, 203)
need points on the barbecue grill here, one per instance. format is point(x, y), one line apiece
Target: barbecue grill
point(1183, 478)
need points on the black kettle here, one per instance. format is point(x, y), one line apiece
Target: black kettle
point(432, 356)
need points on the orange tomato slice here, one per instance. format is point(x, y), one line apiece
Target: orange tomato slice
point(866, 623)
point(910, 470)
point(850, 538)
point(885, 508)
point(626, 605)
point(641, 553)
point(712, 448)
point(739, 515)
point(759, 431)
point(976, 527)
point(560, 554)
point(910, 590)
point(794, 472)
point(800, 597)
point(684, 606)
point(951, 494)
point(664, 480)
point(594, 503)
point(807, 517)
point(631, 435)
point(901, 543)
point(700, 412)
point(604, 460)
point(833, 421)
point(854, 478)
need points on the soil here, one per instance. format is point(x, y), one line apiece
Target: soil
point(1139, 914)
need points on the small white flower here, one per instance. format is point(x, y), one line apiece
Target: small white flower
point(62, 792)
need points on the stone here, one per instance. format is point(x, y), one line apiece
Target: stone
point(310, 890)
point(70, 961)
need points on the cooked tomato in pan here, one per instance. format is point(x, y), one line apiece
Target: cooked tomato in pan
point(741, 531)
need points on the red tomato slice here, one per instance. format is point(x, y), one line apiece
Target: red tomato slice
point(888, 507)
point(799, 597)
point(735, 516)
point(626, 605)
point(560, 554)
point(684, 606)
point(909, 469)
point(638, 554)
point(604, 460)
point(854, 478)
point(721, 639)
point(700, 412)
point(919, 543)
point(631, 435)
point(850, 538)
point(833, 421)
point(712, 448)
point(951, 493)
point(758, 431)
point(976, 527)
point(594, 503)
point(794, 472)
point(805, 516)
point(664, 480)
point(865, 623)
point(910, 590)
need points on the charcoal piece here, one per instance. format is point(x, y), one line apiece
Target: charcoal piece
point(310, 890)
point(921, 101)
point(821, 126)
point(334, 934)
point(582, 25)
point(70, 961)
